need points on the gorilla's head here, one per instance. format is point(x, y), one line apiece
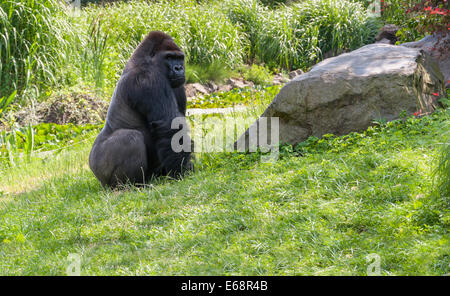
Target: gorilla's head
point(159, 52)
point(170, 60)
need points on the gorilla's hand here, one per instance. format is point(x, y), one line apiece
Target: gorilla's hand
point(161, 129)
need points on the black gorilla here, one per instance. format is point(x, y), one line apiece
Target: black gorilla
point(136, 141)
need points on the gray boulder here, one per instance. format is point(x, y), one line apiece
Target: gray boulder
point(437, 46)
point(348, 92)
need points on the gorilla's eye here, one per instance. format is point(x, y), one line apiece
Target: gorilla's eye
point(171, 56)
point(174, 56)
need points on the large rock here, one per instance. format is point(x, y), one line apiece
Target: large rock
point(387, 34)
point(437, 46)
point(348, 92)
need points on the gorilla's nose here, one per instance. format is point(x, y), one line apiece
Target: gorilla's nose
point(178, 68)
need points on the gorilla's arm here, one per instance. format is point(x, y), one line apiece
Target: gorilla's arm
point(172, 163)
point(180, 95)
point(158, 104)
point(151, 97)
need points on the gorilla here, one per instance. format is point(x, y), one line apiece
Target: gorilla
point(136, 142)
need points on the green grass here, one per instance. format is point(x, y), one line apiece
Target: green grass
point(31, 44)
point(319, 210)
point(259, 75)
point(239, 96)
point(44, 46)
point(215, 72)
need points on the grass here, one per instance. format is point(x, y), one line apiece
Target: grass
point(297, 36)
point(70, 113)
point(257, 74)
point(258, 96)
point(214, 72)
point(59, 49)
point(31, 44)
point(319, 210)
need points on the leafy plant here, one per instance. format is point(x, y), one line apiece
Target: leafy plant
point(235, 97)
point(24, 141)
point(31, 43)
point(215, 71)
point(416, 18)
point(6, 101)
point(297, 36)
point(257, 74)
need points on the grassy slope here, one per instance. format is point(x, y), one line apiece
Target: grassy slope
point(321, 213)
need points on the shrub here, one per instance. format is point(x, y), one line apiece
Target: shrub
point(215, 71)
point(258, 74)
point(297, 36)
point(38, 49)
point(275, 3)
point(206, 36)
point(31, 43)
point(416, 18)
point(249, 16)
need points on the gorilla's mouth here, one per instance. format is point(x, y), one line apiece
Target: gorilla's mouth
point(177, 80)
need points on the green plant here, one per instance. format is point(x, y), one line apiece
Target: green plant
point(320, 213)
point(42, 46)
point(32, 44)
point(259, 96)
point(211, 40)
point(6, 101)
point(416, 18)
point(95, 52)
point(249, 16)
point(215, 71)
point(258, 74)
point(443, 167)
point(275, 3)
point(297, 36)
point(39, 138)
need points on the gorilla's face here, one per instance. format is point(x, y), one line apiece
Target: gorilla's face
point(175, 64)
point(171, 63)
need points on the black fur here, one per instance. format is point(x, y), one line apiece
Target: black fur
point(135, 144)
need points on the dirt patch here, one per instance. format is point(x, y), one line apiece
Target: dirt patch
point(76, 108)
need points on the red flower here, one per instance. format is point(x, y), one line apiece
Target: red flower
point(436, 10)
point(435, 94)
point(418, 112)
